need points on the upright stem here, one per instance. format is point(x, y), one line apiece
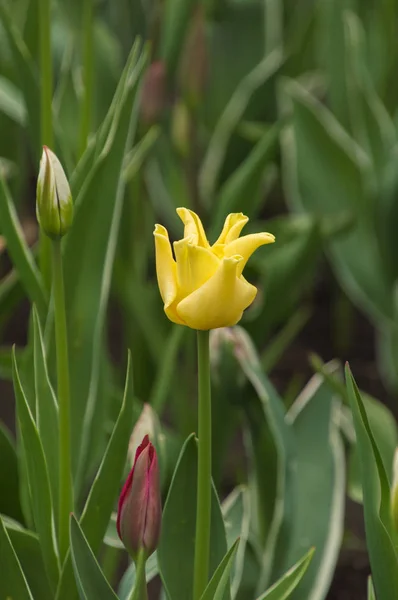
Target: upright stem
point(88, 73)
point(61, 339)
point(203, 509)
point(140, 591)
point(47, 137)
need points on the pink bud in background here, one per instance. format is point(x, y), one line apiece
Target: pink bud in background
point(140, 510)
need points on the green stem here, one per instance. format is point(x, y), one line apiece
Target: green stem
point(140, 592)
point(61, 340)
point(47, 137)
point(203, 509)
point(88, 74)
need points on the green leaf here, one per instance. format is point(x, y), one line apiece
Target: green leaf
point(46, 410)
point(371, 592)
point(232, 114)
point(318, 518)
point(242, 188)
point(91, 581)
point(272, 448)
point(27, 548)
point(384, 430)
point(177, 544)
point(236, 510)
point(89, 254)
point(9, 481)
point(38, 480)
point(20, 253)
point(11, 102)
point(175, 22)
point(101, 499)
point(326, 173)
point(376, 500)
point(288, 582)
point(28, 79)
point(218, 584)
point(12, 581)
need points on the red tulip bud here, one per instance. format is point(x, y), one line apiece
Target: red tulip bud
point(140, 510)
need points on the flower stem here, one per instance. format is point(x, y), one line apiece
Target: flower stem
point(140, 591)
point(88, 73)
point(203, 509)
point(61, 340)
point(47, 137)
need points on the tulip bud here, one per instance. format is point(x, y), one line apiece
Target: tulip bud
point(139, 511)
point(54, 206)
point(394, 492)
point(147, 424)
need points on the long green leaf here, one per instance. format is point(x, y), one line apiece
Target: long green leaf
point(91, 581)
point(101, 499)
point(217, 585)
point(320, 482)
point(177, 544)
point(27, 548)
point(376, 500)
point(20, 253)
point(12, 581)
point(9, 481)
point(234, 111)
point(46, 410)
point(288, 582)
point(38, 480)
point(28, 76)
point(89, 255)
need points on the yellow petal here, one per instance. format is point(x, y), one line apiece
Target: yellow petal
point(221, 301)
point(246, 245)
point(233, 225)
point(193, 227)
point(166, 272)
point(195, 265)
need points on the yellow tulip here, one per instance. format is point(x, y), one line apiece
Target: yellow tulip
point(202, 286)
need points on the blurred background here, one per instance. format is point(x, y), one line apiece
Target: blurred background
point(284, 110)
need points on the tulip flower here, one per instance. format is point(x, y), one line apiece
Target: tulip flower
point(139, 511)
point(54, 206)
point(202, 286)
point(394, 492)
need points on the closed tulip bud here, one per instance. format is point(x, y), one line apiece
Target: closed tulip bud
point(54, 205)
point(140, 511)
point(147, 424)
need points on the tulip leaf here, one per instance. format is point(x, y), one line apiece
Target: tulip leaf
point(283, 588)
point(28, 80)
point(217, 585)
point(12, 581)
point(326, 174)
point(46, 409)
point(11, 101)
point(38, 480)
point(229, 119)
point(19, 251)
point(320, 482)
point(376, 500)
point(175, 22)
point(101, 499)
point(272, 447)
point(9, 481)
point(236, 510)
point(27, 548)
point(89, 256)
point(177, 543)
point(128, 579)
point(91, 581)
point(371, 592)
point(245, 181)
